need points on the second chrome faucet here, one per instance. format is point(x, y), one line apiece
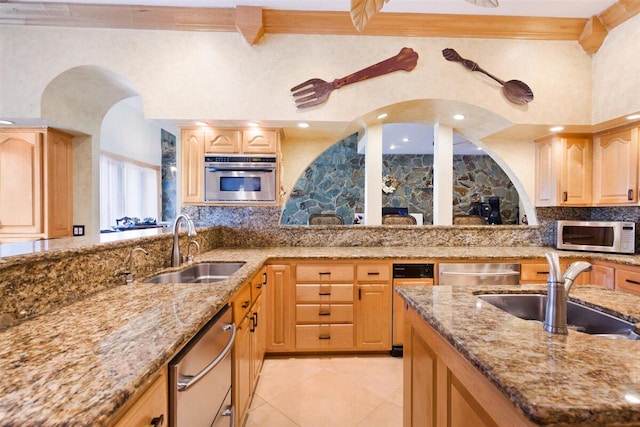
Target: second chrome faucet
point(558, 287)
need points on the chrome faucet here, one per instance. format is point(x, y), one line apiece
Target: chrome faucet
point(558, 287)
point(129, 276)
point(176, 260)
point(194, 243)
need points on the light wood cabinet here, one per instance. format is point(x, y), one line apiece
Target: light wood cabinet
point(537, 272)
point(398, 308)
point(151, 408)
point(36, 183)
point(192, 173)
point(330, 288)
point(373, 306)
point(250, 343)
point(241, 141)
point(442, 388)
point(603, 275)
point(627, 279)
point(615, 167)
point(280, 300)
point(563, 171)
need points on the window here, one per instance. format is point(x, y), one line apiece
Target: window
point(127, 188)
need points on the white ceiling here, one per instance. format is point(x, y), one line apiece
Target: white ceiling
point(549, 8)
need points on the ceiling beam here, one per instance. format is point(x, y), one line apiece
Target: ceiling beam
point(593, 35)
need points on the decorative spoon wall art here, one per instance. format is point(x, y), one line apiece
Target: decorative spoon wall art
point(514, 90)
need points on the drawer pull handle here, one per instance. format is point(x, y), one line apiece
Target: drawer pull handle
point(373, 273)
point(324, 313)
point(158, 421)
point(542, 272)
point(323, 273)
point(633, 282)
point(246, 304)
point(630, 195)
point(565, 196)
point(324, 293)
point(264, 278)
point(324, 337)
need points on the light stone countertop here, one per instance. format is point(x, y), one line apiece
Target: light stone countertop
point(79, 364)
point(577, 379)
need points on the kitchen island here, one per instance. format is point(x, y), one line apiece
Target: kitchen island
point(468, 361)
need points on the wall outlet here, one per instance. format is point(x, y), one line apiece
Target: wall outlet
point(78, 230)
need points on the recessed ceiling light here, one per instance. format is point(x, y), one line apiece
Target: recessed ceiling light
point(556, 128)
point(458, 116)
point(633, 117)
point(6, 122)
point(253, 124)
point(303, 125)
point(405, 139)
point(392, 147)
point(202, 123)
point(479, 148)
point(382, 116)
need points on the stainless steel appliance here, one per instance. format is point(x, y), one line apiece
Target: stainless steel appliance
point(596, 236)
point(240, 178)
point(407, 274)
point(465, 273)
point(200, 377)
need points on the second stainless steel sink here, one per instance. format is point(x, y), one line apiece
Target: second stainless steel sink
point(199, 273)
point(579, 317)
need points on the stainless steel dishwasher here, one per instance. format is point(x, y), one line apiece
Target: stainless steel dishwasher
point(464, 273)
point(200, 377)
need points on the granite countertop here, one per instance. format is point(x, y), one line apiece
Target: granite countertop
point(554, 379)
point(79, 364)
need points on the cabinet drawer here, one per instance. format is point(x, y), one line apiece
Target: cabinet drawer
point(324, 313)
point(241, 303)
point(628, 281)
point(324, 273)
point(373, 272)
point(534, 272)
point(324, 337)
point(150, 406)
point(257, 283)
point(324, 293)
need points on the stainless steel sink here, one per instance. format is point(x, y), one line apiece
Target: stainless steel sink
point(199, 273)
point(579, 317)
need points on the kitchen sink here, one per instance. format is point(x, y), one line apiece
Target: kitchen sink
point(199, 273)
point(579, 317)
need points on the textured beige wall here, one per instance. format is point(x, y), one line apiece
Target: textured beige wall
point(616, 73)
point(217, 75)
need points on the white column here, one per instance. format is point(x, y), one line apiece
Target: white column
point(442, 175)
point(373, 176)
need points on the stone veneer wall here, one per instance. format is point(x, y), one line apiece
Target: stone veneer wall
point(334, 183)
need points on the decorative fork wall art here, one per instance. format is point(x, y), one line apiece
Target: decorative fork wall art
point(316, 91)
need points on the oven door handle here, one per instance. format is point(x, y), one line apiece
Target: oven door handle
point(215, 169)
point(186, 381)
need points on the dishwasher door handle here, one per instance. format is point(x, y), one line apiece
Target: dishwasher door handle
point(478, 273)
point(186, 381)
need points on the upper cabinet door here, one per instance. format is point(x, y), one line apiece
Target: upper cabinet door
point(576, 171)
point(563, 171)
point(21, 182)
point(227, 141)
point(193, 165)
point(616, 168)
point(259, 141)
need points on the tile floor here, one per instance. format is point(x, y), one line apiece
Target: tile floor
point(340, 391)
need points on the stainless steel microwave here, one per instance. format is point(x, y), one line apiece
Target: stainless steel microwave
point(240, 178)
point(597, 236)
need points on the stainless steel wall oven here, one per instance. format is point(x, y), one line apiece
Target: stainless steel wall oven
point(240, 178)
